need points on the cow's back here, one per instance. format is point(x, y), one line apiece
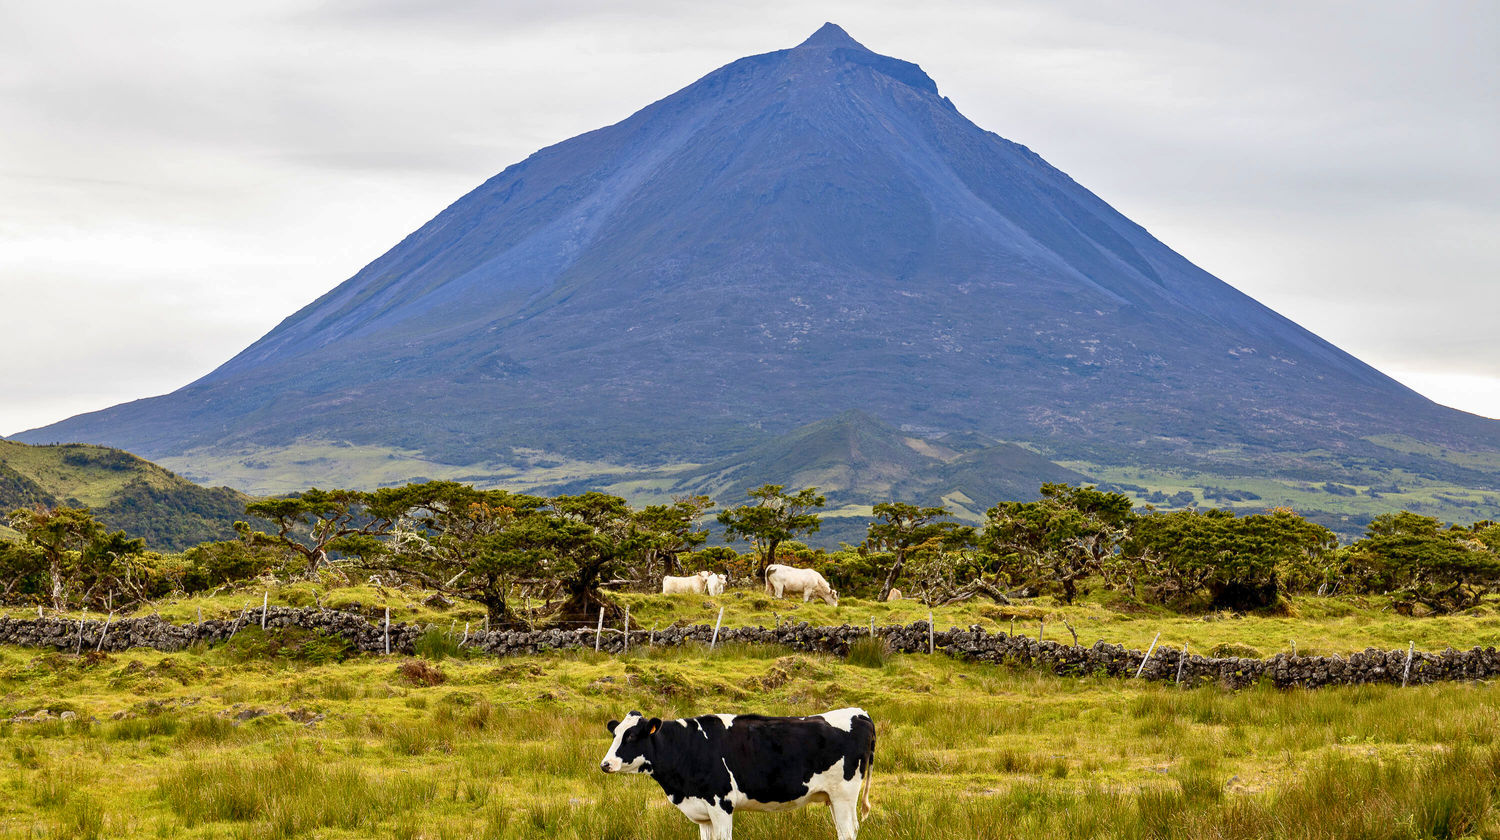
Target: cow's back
point(782, 761)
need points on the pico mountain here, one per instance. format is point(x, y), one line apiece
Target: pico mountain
point(796, 235)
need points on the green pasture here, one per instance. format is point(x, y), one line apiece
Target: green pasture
point(234, 743)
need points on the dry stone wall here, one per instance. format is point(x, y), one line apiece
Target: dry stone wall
point(973, 644)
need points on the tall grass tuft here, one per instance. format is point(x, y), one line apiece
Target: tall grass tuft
point(435, 644)
point(869, 652)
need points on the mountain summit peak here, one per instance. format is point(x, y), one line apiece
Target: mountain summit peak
point(831, 35)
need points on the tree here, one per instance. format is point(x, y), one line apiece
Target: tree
point(59, 535)
point(23, 571)
point(663, 532)
point(1421, 561)
point(461, 541)
point(899, 528)
point(211, 564)
point(1065, 536)
point(1239, 562)
point(774, 517)
point(317, 522)
point(590, 538)
point(116, 570)
point(79, 555)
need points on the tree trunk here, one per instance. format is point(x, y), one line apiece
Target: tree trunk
point(495, 607)
point(59, 592)
point(583, 604)
point(893, 576)
point(1070, 590)
point(770, 558)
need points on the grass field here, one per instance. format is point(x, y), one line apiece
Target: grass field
point(243, 741)
point(226, 744)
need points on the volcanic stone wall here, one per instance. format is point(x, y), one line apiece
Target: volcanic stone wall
point(974, 644)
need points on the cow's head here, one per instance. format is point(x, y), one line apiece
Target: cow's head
point(632, 750)
point(830, 596)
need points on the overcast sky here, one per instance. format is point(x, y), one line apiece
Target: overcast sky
point(177, 176)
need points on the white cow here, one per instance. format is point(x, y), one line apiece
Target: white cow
point(783, 579)
point(715, 585)
point(691, 585)
point(702, 583)
point(895, 595)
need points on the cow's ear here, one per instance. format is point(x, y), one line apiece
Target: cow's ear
point(655, 725)
point(611, 726)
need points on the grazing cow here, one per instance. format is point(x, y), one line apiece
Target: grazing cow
point(895, 595)
point(691, 585)
point(716, 765)
point(715, 584)
point(783, 579)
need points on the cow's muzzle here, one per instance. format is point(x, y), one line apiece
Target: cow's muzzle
point(604, 765)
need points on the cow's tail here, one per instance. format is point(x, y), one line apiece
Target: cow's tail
point(766, 578)
point(864, 794)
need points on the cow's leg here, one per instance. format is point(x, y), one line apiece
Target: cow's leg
point(845, 816)
point(806, 595)
point(723, 824)
point(705, 831)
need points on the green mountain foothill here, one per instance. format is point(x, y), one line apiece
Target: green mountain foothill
point(123, 491)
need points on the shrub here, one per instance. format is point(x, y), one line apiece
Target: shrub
point(419, 673)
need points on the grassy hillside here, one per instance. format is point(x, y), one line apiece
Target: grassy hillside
point(1343, 499)
point(857, 461)
point(125, 492)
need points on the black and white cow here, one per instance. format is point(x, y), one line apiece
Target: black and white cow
point(714, 765)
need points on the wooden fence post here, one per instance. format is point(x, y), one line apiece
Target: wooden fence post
point(1406, 672)
point(466, 634)
point(104, 632)
point(265, 603)
point(1180, 660)
point(1147, 657)
point(599, 631)
point(930, 645)
point(387, 629)
point(80, 632)
point(238, 620)
point(715, 640)
point(626, 648)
